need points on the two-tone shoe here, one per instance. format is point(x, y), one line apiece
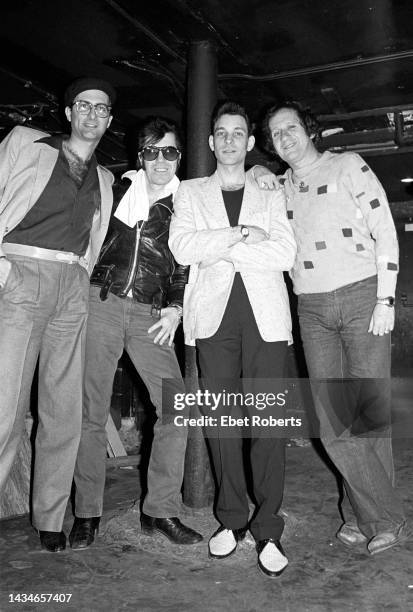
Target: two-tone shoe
point(223, 543)
point(271, 558)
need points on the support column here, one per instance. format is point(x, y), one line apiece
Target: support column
point(202, 86)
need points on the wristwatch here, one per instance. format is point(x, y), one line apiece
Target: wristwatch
point(244, 232)
point(386, 301)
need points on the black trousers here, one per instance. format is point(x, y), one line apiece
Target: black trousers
point(237, 349)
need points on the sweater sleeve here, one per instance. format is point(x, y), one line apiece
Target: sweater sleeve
point(370, 197)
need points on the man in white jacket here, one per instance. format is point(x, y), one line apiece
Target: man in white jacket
point(238, 241)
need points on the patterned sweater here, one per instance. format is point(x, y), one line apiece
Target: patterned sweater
point(342, 224)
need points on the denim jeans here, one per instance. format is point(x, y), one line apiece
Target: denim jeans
point(113, 325)
point(337, 346)
point(43, 314)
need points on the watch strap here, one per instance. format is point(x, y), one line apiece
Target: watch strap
point(386, 301)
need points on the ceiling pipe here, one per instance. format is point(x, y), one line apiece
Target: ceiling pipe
point(139, 26)
point(373, 112)
point(285, 74)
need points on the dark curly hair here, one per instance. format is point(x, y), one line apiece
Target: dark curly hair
point(307, 120)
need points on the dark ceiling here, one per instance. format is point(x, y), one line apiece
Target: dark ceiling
point(351, 61)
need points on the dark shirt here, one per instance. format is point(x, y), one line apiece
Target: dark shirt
point(62, 217)
point(233, 202)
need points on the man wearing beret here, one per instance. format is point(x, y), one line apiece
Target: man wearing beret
point(55, 205)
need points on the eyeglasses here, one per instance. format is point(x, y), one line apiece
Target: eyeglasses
point(84, 108)
point(151, 153)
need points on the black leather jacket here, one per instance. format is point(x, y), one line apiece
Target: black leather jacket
point(147, 266)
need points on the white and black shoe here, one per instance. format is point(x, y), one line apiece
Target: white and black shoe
point(271, 558)
point(224, 542)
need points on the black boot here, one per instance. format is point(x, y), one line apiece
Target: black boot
point(172, 528)
point(83, 532)
point(52, 541)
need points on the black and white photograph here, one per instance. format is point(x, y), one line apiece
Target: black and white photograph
point(206, 305)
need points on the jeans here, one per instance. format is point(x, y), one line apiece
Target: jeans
point(337, 346)
point(113, 325)
point(43, 314)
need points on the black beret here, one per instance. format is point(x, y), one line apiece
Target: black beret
point(85, 83)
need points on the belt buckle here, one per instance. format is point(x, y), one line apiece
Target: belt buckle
point(156, 311)
point(67, 257)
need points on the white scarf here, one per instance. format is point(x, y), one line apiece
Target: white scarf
point(134, 205)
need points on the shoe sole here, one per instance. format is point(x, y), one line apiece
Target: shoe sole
point(59, 550)
point(77, 548)
point(212, 556)
point(268, 573)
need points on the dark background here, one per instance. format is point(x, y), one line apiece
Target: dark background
point(350, 61)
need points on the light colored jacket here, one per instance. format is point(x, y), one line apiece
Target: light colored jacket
point(25, 169)
point(200, 232)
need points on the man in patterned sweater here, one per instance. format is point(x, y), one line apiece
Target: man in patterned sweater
point(345, 277)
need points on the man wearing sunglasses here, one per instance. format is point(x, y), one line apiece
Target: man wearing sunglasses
point(136, 304)
point(54, 213)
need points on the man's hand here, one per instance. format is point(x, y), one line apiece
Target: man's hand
point(256, 235)
point(226, 256)
point(382, 320)
point(5, 267)
point(168, 323)
point(265, 179)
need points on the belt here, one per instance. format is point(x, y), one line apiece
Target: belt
point(48, 254)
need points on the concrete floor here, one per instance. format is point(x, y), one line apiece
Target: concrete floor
point(125, 570)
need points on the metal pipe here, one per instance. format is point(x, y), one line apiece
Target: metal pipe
point(139, 26)
point(285, 74)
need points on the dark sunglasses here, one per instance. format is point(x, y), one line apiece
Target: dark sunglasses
point(151, 153)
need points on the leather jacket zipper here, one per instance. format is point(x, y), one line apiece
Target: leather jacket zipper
point(132, 272)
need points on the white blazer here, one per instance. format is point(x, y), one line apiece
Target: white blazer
point(200, 232)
